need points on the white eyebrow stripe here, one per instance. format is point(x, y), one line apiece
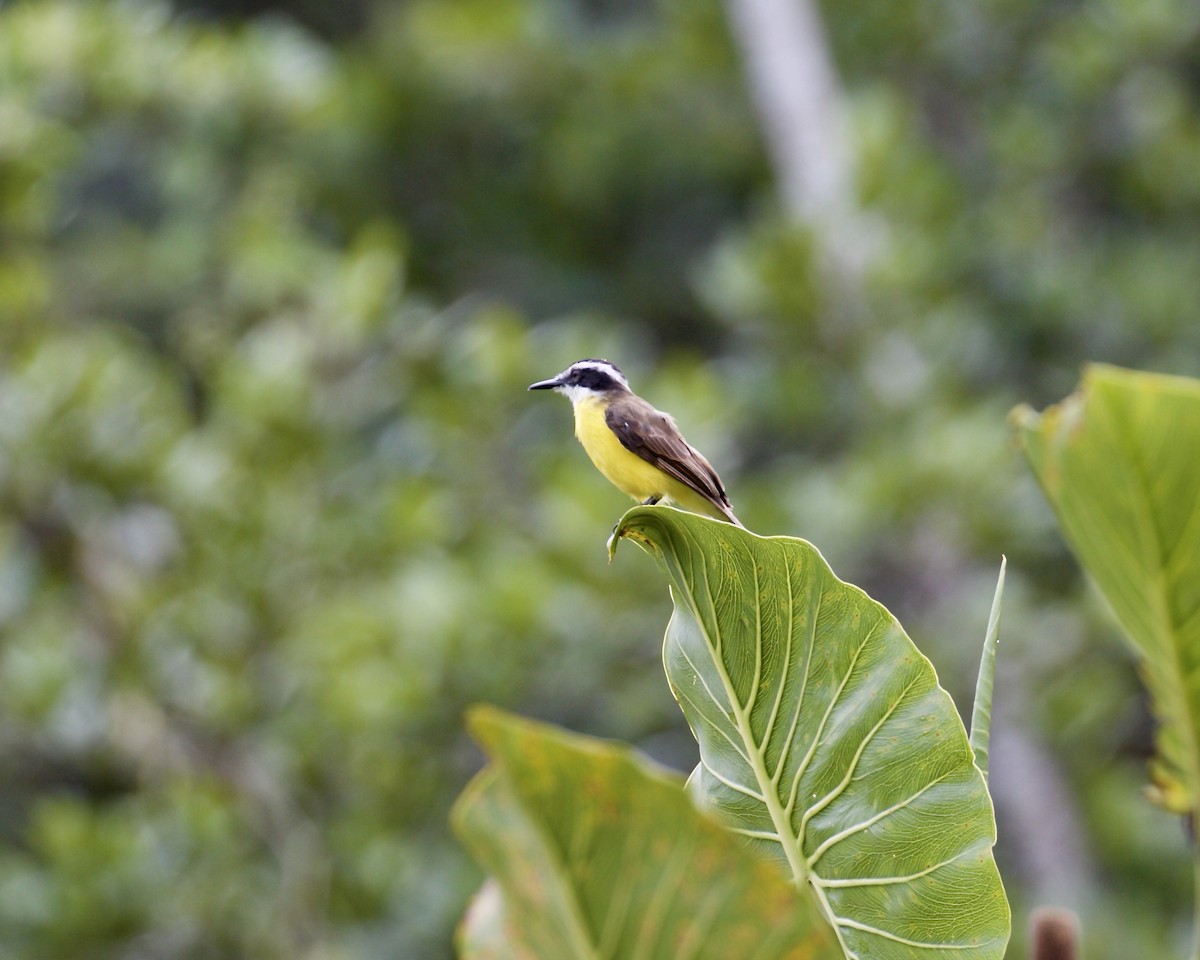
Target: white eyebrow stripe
point(602, 366)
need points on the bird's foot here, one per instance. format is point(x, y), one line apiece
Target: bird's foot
point(651, 501)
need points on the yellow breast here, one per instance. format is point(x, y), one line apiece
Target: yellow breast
point(626, 471)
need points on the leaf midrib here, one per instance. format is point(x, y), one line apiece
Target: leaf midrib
point(788, 841)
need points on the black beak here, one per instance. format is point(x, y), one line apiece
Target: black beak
point(546, 384)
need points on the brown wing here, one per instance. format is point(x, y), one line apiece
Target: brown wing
point(654, 437)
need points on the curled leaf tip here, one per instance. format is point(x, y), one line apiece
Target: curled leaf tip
point(1021, 415)
point(480, 718)
point(613, 539)
point(628, 528)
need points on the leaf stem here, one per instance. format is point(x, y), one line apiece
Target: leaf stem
point(1196, 898)
point(981, 715)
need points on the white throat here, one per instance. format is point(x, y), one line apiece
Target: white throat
point(577, 394)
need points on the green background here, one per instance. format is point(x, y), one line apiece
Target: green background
point(277, 507)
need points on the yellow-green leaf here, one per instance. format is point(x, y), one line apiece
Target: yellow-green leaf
point(596, 854)
point(1119, 460)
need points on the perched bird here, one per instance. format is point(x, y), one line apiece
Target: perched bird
point(639, 449)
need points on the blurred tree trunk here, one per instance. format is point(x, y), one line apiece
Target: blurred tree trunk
point(1041, 823)
point(799, 101)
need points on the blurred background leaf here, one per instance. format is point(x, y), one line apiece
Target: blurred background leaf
point(595, 852)
point(1119, 461)
point(276, 506)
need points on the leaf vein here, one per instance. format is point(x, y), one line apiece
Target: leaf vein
point(895, 937)
point(871, 821)
point(784, 667)
point(837, 791)
point(817, 738)
point(840, 882)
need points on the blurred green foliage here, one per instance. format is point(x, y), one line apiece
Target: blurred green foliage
point(275, 504)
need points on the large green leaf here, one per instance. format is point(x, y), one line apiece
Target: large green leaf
point(826, 740)
point(597, 854)
point(1119, 461)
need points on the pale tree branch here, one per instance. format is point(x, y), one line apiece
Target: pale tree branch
point(800, 104)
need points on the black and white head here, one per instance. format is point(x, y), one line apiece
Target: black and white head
point(586, 378)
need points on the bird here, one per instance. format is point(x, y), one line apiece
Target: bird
point(638, 449)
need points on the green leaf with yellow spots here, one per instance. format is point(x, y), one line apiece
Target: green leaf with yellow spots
point(826, 742)
point(595, 853)
point(1119, 460)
